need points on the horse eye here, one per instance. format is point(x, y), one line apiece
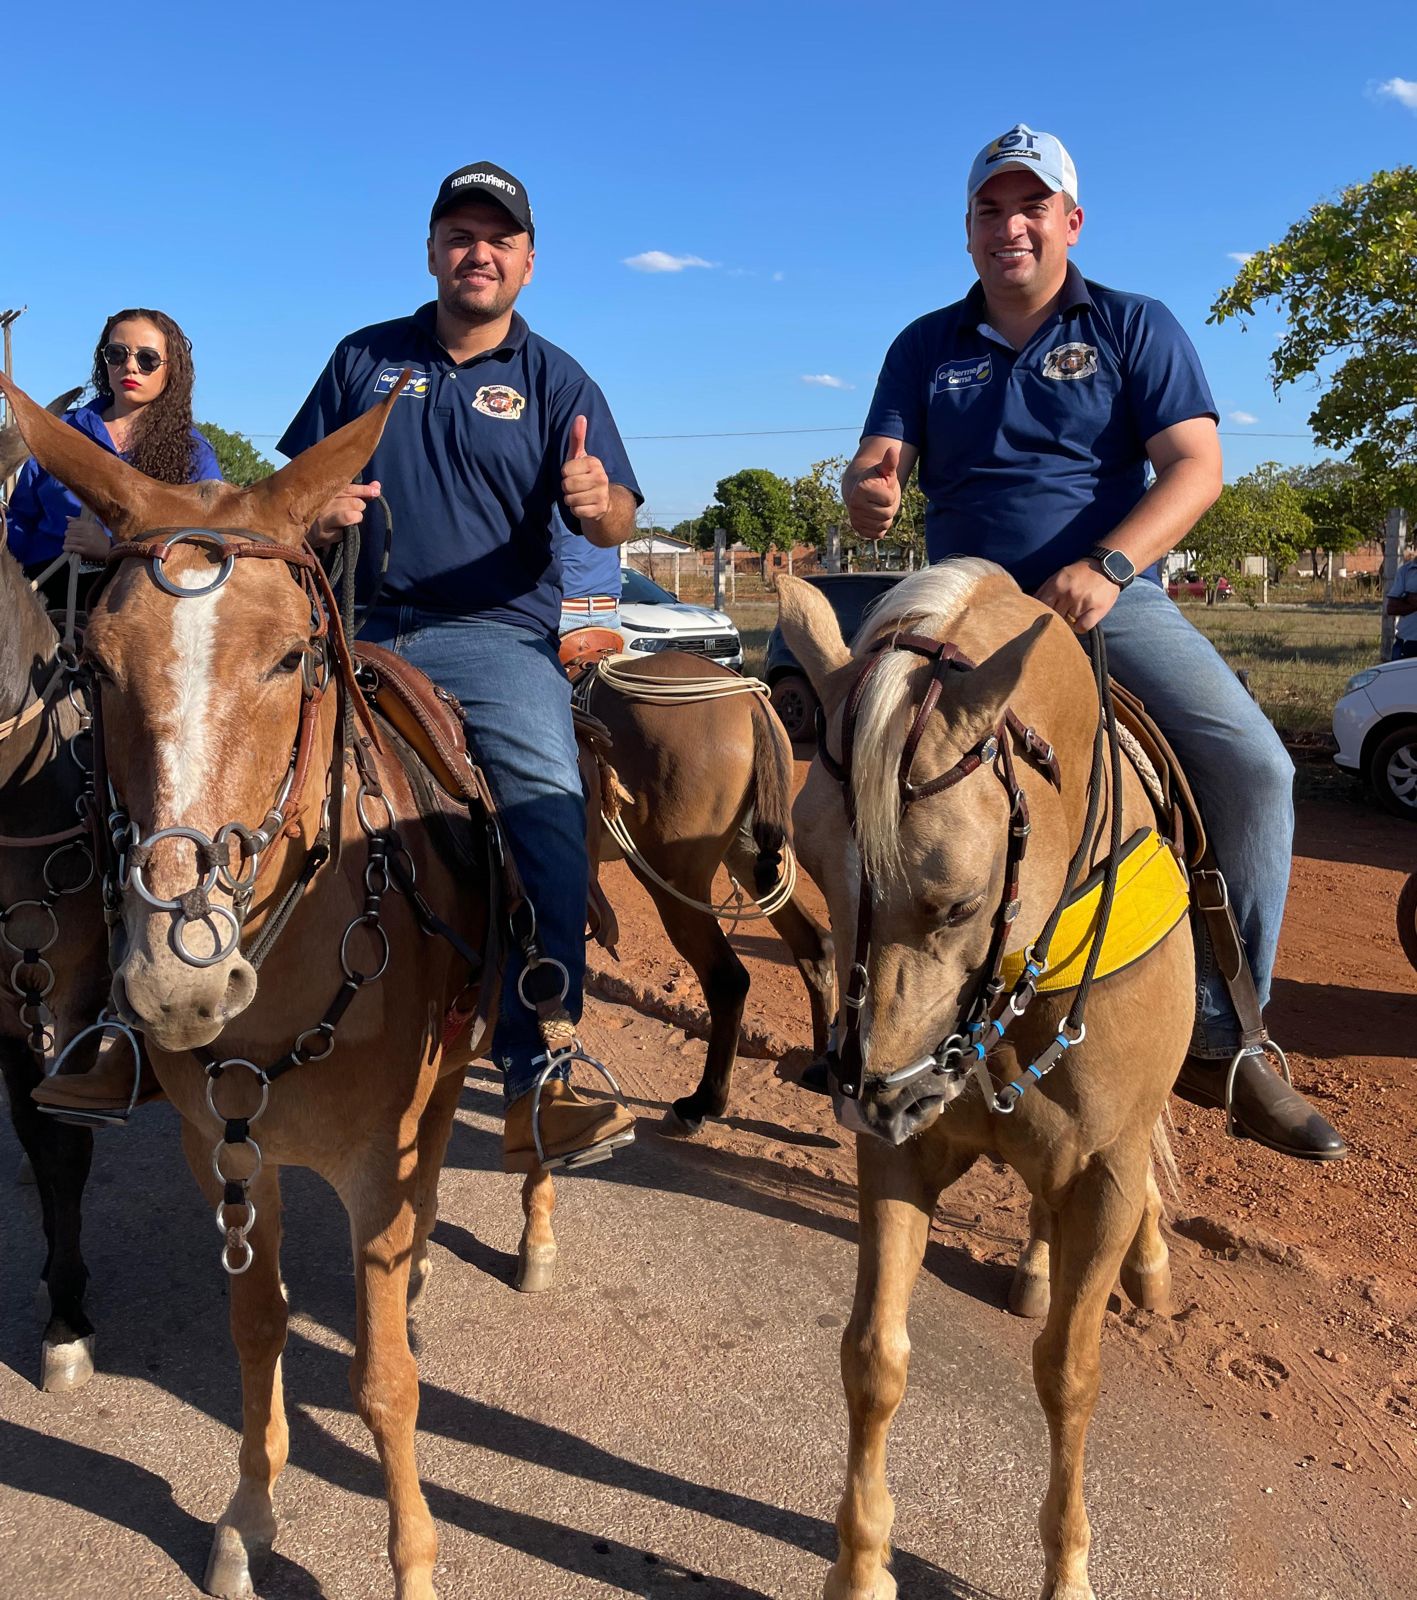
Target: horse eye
point(963, 911)
point(290, 662)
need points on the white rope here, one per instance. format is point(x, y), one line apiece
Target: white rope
point(669, 691)
point(732, 911)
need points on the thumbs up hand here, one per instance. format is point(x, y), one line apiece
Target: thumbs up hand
point(875, 500)
point(584, 485)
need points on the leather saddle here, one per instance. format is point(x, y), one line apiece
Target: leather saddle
point(581, 649)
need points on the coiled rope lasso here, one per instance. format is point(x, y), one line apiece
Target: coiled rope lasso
point(740, 906)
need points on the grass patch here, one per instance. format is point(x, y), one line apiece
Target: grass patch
point(1297, 658)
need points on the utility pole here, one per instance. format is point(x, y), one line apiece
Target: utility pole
point(718, 543)
point(7, 321)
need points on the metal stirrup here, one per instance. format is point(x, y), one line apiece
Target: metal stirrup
point(596, 1152)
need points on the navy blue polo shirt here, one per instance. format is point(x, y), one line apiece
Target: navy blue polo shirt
point(470, 463)
point(1030, 457)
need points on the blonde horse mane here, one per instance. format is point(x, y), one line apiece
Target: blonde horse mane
point(928, 602)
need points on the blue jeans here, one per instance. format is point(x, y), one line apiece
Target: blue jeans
point(571, 621)
point(517, 712)
point(1239, 769)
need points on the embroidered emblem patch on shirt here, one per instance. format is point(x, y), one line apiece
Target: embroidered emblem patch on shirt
point(1070, 361)
point(497, 400)
point(964, 374)
point(415, 389)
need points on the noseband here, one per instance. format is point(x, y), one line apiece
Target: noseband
point(990, 1014)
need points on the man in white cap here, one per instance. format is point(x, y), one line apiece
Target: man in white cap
point(1033, 407)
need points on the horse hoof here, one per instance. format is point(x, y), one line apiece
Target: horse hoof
point(24, 1173)
point(536, 1268)
point(64, 1367)
point(235, 1564)
point(1029, 1296)
point(839, 1587)
point(1068, 1591)
point(1149, 1291)
point(681, 1121)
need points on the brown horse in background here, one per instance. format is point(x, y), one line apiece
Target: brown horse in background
point(221, 682)
point(702, 783)
point(936, 892)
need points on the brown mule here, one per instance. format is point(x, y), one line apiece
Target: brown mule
point(221, 682)
point(937, 894)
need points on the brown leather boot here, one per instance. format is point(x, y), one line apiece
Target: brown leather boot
point(102, 1095)
point(574, 1131)
point(1264, 1107)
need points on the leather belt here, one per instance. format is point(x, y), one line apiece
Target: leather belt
point(591, 602)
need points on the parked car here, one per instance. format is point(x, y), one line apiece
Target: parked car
point(1192, 584)
point(1375, 724)
point(850, 593)
point(651, 619)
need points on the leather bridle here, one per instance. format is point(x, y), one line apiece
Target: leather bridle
point(989, 1014)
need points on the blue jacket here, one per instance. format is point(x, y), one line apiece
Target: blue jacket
point(40, 508)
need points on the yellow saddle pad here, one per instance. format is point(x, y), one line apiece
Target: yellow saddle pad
point(1151, 899)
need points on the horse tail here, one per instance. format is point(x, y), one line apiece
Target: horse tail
point(1163, 1155)
point(771, 796)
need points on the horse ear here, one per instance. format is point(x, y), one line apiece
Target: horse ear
point(811, 630)
point(123, 498)
point(984, 693)
point(285, 504)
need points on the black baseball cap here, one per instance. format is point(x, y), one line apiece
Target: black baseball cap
point(484, 180)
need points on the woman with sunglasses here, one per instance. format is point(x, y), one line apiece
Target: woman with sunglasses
point(143, 412)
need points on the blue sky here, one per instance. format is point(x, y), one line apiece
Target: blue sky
point(264, 173)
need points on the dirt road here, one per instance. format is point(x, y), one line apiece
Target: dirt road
point(670, 1421)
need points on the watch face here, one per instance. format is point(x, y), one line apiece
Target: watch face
point(1117, 567)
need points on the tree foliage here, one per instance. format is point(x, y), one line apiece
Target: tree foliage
point(1346, 280)
point(240, 461)
point(1346, 507)
point(1260, 514)
point(817, 503)
point(754, 507)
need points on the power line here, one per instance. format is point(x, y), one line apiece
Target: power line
point(769, 433)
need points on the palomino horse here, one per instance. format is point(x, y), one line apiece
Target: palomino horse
point(222, 683)
point(707, 780)
point(921, 820)
point(49, 911)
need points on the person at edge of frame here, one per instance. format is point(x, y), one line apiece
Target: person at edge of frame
point(1033, 406)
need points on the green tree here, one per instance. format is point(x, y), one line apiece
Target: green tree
point(1346, 280)
point(1346, 507)
point(755, 507)
point(816, 501)
point(1260, 514)
point(240, 461)
point(909, 530)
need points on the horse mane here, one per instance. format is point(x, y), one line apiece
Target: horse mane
point(928, 602)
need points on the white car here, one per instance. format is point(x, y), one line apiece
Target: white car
point(1375, 723)
point(651, 619)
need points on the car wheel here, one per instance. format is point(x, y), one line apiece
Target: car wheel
point(1407, 919)
point(796, 705)
point(1392, 771)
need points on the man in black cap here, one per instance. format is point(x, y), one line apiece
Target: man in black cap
point(495, 432)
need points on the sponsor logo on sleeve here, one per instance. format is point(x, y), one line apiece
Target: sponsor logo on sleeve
point(1066, 361)
point(497, 400)
point(964, 374)
point(414, 389)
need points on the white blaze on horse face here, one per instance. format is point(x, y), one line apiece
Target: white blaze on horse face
point(185, 750)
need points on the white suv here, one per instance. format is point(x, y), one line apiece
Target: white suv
point(651, 619)
point(1375, 723)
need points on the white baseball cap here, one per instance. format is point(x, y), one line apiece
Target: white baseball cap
point(1023, 150)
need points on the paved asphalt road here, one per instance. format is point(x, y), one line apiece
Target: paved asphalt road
point(668, 1422)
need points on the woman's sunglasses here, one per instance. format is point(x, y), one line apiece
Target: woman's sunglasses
point(116, 355)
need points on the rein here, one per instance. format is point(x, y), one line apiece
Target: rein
point(990, 1014)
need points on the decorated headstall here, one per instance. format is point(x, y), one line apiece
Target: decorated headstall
point(994, 749)
point(126, 851)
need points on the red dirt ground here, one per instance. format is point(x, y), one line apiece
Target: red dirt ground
point(1295, 1284)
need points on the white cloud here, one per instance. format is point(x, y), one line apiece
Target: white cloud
point(662, 261)
point(777, 277)
point(1242, 256)
point(1401, 90)
point(825, 380)
point(1242, 417)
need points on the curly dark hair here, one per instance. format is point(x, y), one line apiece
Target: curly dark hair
point(161, 443)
